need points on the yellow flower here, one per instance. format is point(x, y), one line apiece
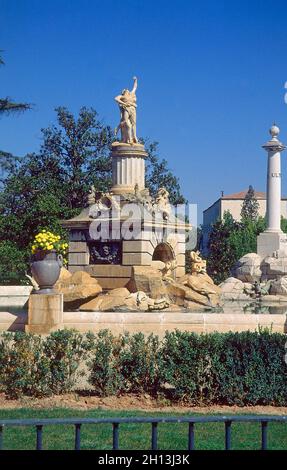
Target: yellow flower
point(46, 240)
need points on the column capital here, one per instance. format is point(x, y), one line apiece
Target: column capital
point(274, 145)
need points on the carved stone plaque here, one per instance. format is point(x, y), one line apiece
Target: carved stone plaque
point(105, 252)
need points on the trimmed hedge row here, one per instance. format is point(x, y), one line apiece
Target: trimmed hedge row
point(246, 368)
point(33, 366)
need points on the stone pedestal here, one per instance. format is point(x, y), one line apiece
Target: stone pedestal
point(269, 243)
point(45, 313)
point(128, 167)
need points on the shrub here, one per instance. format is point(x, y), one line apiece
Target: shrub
point(128, 363)
point(187, 365)
point(24, 367)
point(105, 373)
point(39, 367)
point(245, 368)
point(65, 350)
point(140, 363)
point(231, 368)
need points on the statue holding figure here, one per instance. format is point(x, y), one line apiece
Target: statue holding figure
point(127, 105)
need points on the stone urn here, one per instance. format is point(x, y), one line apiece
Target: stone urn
point(46, 268)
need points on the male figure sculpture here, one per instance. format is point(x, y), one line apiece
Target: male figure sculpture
point(127, 105)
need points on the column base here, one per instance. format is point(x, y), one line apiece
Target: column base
point(122, 189)
point(270, 242)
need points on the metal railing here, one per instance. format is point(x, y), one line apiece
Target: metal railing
point(115, 422)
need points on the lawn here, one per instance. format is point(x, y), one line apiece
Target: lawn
point(135, 436)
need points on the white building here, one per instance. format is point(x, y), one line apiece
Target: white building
point(233, 204)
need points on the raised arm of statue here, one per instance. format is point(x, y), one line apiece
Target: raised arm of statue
point(135, 85)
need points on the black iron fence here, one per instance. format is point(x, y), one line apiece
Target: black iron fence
point(39, 424)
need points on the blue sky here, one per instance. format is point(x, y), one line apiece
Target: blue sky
point(211, 78)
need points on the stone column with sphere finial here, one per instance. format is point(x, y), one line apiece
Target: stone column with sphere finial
point(273, 239)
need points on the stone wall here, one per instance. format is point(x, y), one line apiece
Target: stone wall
point(159, 322)
point(156, 322)
point(14, 296)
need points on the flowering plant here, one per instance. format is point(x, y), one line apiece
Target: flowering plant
point(48, 241)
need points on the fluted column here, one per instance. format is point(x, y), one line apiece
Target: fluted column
point(128, 167)
point(274, 149)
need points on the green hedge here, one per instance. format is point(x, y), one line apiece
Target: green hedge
point(34, 366)
point(218, 368)
point(226, 368)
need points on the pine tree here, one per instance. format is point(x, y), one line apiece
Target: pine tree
point(7, 105)
point(7, 160)
point(250, 206)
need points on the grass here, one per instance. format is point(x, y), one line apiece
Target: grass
point(208, 436)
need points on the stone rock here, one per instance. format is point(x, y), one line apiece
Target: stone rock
point(233, 289)
point(202, 289)
point(125, 301)
point(103, 303)
point(274, 267)
point(248, 268)
point(201, 282)
point(78, 288)
point(149, 280)
point(107, 302)
point(279, 287)
point(64, 274)
point(232, 285)
point(197, 288)
point(247, 286)
point(201, 299)
point(177, 292)
point(119, 292)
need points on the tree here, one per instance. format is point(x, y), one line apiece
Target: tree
point(53, 185)
point(79, 148)
point(243, 239)
point(250, 206)
point(230, 240)
point(8, 163)
point(7, 105)
point(7, 160)
point(13, 263)
point(158, 175)
point(221, 255)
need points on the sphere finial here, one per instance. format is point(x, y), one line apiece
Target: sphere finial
point(274, 131)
